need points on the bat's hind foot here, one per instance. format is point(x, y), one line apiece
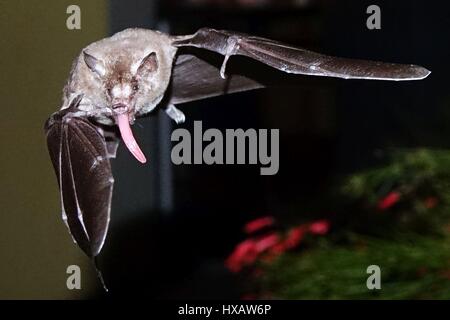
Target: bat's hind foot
point(231, 49)
point(175, 114)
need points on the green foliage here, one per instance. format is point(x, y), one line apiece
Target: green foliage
point(421, 179)
point(395, 216)
point(414, 268)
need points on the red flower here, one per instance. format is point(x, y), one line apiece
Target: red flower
point(269, 246)
point(294, 237)
point(388, 201)
point(248, 251)
point(430, 202)
point(244, 254)
point(319, 227)
point(258, 224)
point(266, 242)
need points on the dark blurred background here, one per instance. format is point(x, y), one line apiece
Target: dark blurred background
point(173, 226)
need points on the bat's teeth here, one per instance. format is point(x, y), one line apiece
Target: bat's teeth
point(127, 136)
point(120, 108)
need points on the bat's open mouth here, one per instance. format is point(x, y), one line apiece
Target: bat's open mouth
point(119, 108)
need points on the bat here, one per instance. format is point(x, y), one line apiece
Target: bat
point(117, 79)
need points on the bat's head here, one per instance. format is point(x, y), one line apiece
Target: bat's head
point(122, 77)
point(128, 86)
point(126, 83)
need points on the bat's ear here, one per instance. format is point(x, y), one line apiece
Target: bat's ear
point(148, 65)
point(94, 64)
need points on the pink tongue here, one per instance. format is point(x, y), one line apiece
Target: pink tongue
point(128, 138)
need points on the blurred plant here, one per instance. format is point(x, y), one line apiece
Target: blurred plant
point(411, 193)
point(395, 215)
point(268, 246)
point(258, 224)
point(413, 267)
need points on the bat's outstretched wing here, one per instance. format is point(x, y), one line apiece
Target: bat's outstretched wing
point(195, 77)
point(80, 156)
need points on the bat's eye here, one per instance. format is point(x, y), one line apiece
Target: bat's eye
point(108, 90)
point(135, 87)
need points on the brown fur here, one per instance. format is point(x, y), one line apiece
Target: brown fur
point(121, 56)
